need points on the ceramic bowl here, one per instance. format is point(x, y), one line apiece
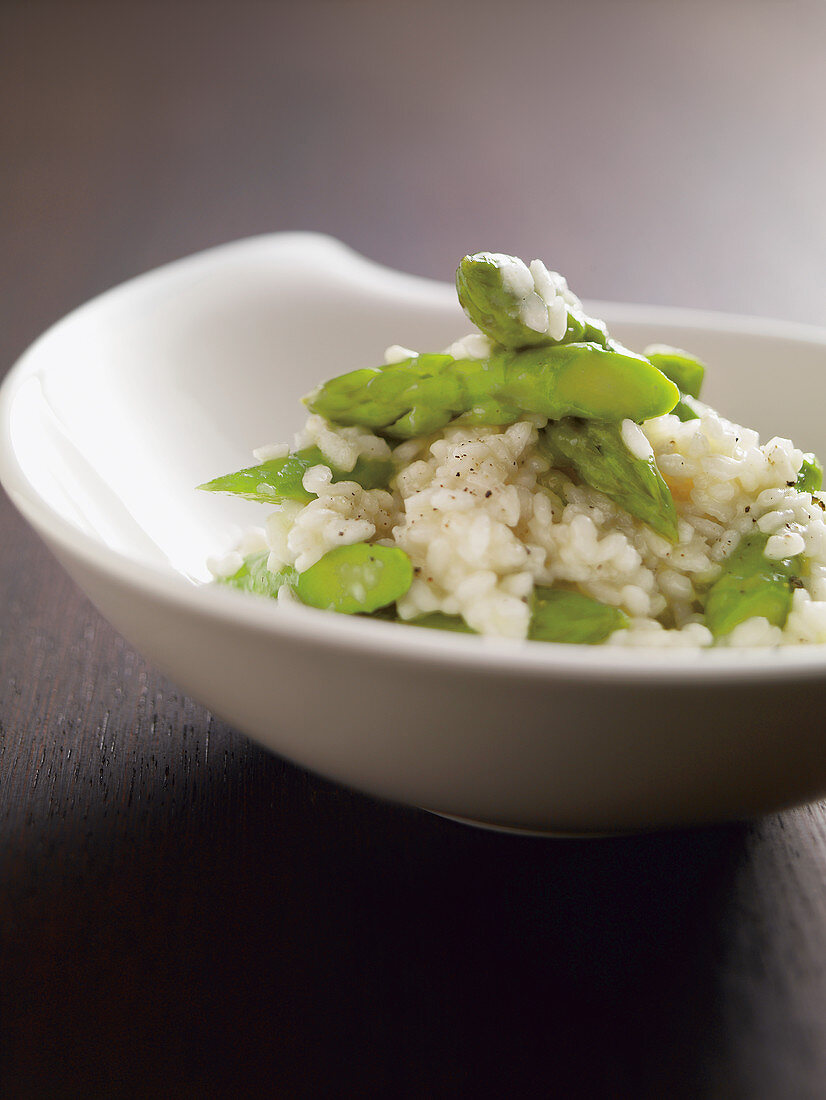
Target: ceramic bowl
point(113, 417)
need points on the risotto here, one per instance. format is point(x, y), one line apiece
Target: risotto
point(537, 480)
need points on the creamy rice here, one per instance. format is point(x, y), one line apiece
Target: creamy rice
point(484, 518)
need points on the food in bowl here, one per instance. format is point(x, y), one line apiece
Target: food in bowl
point(536, 480)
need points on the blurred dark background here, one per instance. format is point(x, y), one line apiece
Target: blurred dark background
point(183, 914)
point(654, 151)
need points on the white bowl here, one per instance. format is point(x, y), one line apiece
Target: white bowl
point(113, 417)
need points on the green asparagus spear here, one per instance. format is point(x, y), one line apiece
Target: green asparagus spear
point(424, 393)
point(598, 454)
point(683, 410)
point(751, 585)
point(437, 620)
point(810, 477)
point(502, 297)
point(684, 370)
point(351, 579)
point(254, 576)
point(356, 579)
point(562, 616)
point(280, 479)
point(433, 620)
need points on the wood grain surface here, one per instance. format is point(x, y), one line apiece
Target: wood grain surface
point(183, 914)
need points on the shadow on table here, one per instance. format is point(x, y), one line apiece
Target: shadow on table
point(307, 941)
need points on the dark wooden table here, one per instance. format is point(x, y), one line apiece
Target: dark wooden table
point(185, 915)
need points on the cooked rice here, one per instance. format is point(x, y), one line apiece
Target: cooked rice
point(484, 518)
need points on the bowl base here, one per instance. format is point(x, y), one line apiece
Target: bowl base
point(516, 830)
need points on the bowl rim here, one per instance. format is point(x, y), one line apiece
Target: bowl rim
point(535, 660)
